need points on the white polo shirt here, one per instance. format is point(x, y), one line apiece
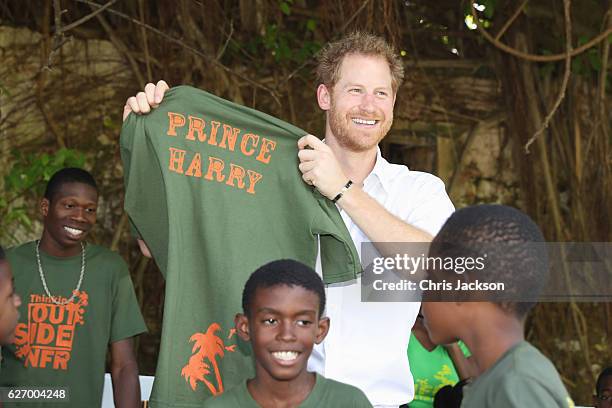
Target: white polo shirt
point(367, 342)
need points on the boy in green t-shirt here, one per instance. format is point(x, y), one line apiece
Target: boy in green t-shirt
point(506, 246)
point(77, 302)
point(9, 302)
point(283, 302)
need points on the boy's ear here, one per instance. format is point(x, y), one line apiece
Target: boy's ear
point(323, 329)
point(242, 326)
point(44, 207)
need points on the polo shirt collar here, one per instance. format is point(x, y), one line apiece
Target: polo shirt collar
point(382, 171)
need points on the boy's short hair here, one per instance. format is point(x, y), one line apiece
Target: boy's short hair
point(513, 254)
point(600, 379)
point(68, 175)
point(286, 272)
point(330, 58)
point(2, 254)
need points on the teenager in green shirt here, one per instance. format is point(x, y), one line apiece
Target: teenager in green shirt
point(283, 303)
point(513, 373)
point(78, 299)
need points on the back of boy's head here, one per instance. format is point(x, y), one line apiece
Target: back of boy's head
point(285, 272)
point(65, 176)
point(607, 372)
point(506, 235)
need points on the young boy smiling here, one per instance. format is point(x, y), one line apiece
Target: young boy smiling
point(283, 302)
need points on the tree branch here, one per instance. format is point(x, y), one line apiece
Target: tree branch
point(566, 75)
point(511, 20)
point(85, 18)
point(122, 48)
point(197, 52)
point(51, 123)
point(143, 32)
point(58, 36)
point(350, 20)
point(533, 57)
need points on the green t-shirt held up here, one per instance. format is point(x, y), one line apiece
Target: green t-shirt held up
point(522, 377)
point(66, 345)
point(325, 393)
point(215, 191)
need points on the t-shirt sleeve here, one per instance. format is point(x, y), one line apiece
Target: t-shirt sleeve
point(360, 400)
point(433, 206)
point(527, 391)
point(339, 258)
point(145, 195)
point(126, 319)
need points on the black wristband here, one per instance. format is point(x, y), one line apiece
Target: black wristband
point(341, 193)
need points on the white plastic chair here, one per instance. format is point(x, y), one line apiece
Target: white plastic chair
point(146, 383)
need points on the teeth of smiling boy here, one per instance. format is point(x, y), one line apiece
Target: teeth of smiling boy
point(364, 121)
point(285, 355)
point(73, 231)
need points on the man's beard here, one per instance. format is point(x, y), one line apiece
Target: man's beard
point(357, 141)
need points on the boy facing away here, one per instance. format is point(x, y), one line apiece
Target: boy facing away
point(513, 373)
point(283, 303)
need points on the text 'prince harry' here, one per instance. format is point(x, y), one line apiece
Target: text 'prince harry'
point(222, 136)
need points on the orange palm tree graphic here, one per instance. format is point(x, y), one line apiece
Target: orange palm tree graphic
point(208, 346)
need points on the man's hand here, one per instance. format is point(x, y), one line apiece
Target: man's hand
point(144, 101)
point(319, 166)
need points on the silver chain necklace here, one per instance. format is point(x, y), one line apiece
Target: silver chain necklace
point(44, 282)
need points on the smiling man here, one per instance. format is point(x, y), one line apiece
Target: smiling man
point(358, 78)
point(77, 299)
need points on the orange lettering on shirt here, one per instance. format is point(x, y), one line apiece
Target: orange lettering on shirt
point(214, 127)
point(243, 144)
point(32, 334)
point(215, 165)
point(56, 314)
point(236, 173)
point(39, 313)
point(65, 333)
point(254, 177)
point(174, 120)
point(61, 360)
point(21, 333)
point(195, 168)
point(45, 357)
point(47, 340)
point(45, 334)
point(32, 358)
point(267, 146)
point(177, 157)
point(228, 140)
point(196, 125)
